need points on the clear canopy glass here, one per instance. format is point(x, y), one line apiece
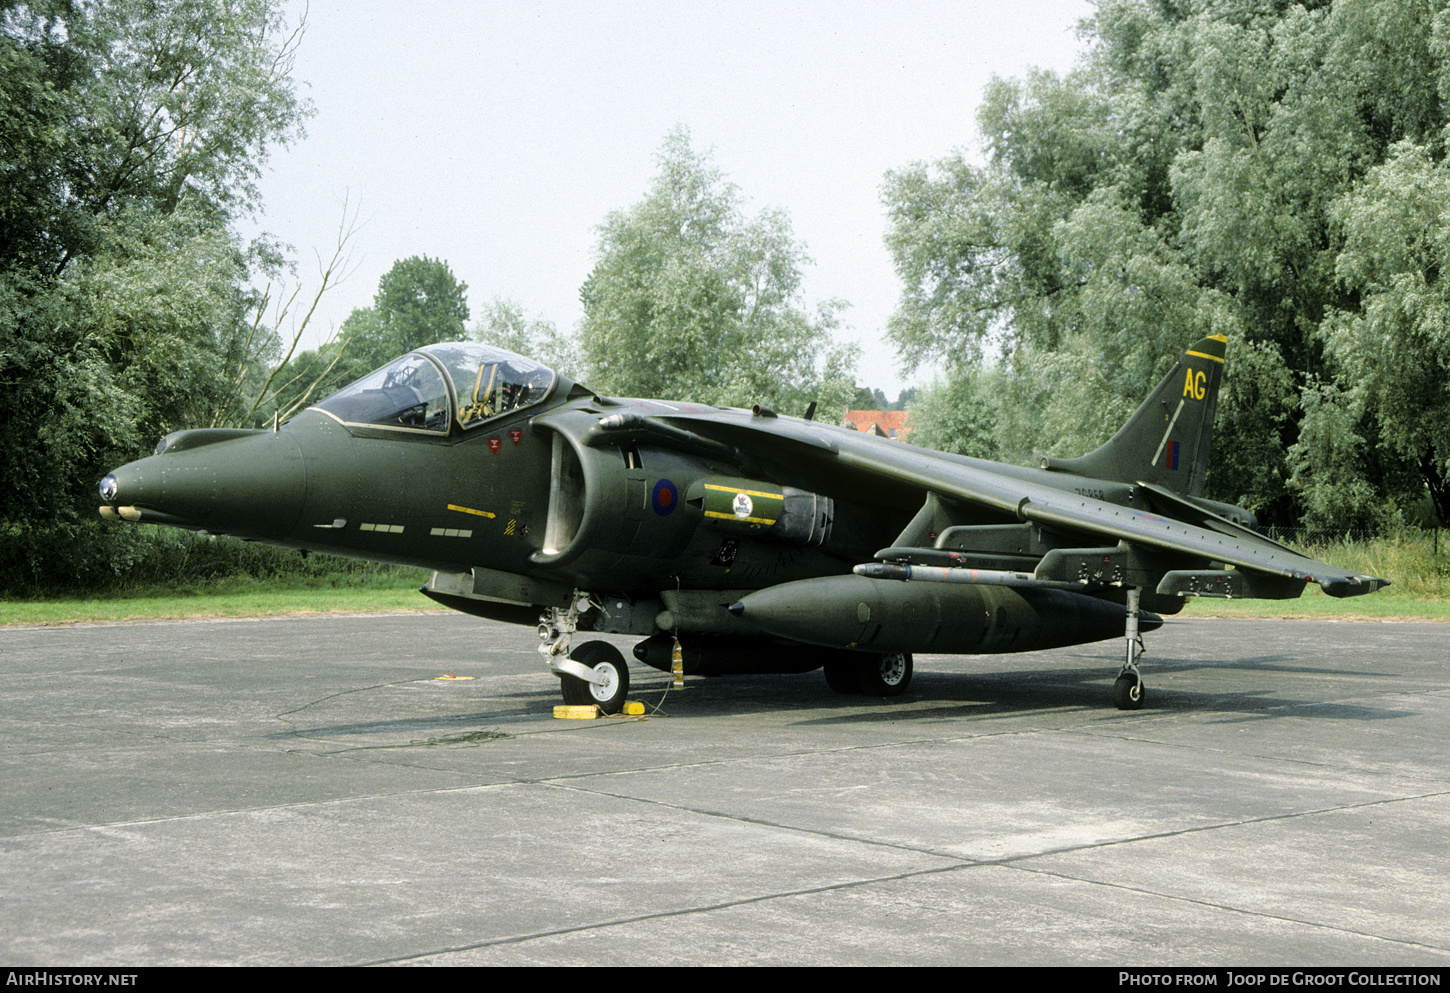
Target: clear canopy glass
point(413, 391)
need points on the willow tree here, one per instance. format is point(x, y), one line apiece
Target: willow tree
point(1211, 166)
point(690, 298)
point(134, 135)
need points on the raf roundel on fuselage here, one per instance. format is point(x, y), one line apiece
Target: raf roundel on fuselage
point(439, 385)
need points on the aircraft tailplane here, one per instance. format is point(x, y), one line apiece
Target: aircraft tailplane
point(1169, 438)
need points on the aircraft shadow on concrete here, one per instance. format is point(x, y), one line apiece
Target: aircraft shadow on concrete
point(432, 727)
point(513, 706)
point(934, 695)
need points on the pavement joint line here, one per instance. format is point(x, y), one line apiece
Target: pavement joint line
point(788, 828)
point(1241, 822)
point(960, 863)
point(856, 884)
point(1365, 737)
point(1092, 730)
point(564, 781)
point(1009, 861)
point(1230, 909)
point(1277, 759)
point(729, 761)
point(667, 914)
point(560, 783)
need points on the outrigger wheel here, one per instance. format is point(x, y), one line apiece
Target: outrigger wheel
point(607, 663)
point(1128, 690)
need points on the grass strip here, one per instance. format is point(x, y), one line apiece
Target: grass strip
point(232, 597)
point(1413, 561)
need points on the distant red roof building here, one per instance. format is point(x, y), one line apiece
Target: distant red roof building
point(894, 424)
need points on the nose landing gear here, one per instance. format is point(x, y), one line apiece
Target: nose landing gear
point(595, 672)
point(608, 685)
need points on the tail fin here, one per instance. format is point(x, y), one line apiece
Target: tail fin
point(1169, 438)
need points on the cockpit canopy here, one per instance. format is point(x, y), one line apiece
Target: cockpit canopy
point(430, 388)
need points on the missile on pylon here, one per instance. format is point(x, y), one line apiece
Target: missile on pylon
point(958, 574)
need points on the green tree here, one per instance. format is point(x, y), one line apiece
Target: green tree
point(1394, 348)
point(120, 108)
point(504, 324)
point(133, 135)
point(1328, 461)
point(1210, 167)
point(419, 302)
point(867, 398)
point(958, 414)
point(690, 298)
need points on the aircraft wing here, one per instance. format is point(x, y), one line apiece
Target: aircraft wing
point(1174, 538)
point(1153, 549)
point(1160, 536)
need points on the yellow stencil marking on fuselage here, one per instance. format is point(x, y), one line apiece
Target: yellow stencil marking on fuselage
point(736, 489)
point(746, 520)
point(469, 510)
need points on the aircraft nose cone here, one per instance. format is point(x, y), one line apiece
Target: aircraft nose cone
point(249, 484)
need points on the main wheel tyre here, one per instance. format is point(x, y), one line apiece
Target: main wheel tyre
point(1128, 692)
point(607, 661)
point(843, 677)
point(885, 675)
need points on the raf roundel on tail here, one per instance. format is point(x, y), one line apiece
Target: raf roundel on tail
point(730, 541)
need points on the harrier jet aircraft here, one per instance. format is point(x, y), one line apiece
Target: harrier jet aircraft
point(730, 541)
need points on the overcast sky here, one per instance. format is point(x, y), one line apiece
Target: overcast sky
point(498, 135)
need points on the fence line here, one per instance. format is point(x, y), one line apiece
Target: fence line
point(1344, 536)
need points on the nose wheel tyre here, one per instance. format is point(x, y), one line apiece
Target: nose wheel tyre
point(607, 662)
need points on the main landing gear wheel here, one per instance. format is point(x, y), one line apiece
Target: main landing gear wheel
point(871, 675)
point(841, 677)
point(606, 661)
point(1128, 691)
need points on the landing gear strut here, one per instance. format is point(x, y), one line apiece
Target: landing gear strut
point(593, 673)
point(1128, 691)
